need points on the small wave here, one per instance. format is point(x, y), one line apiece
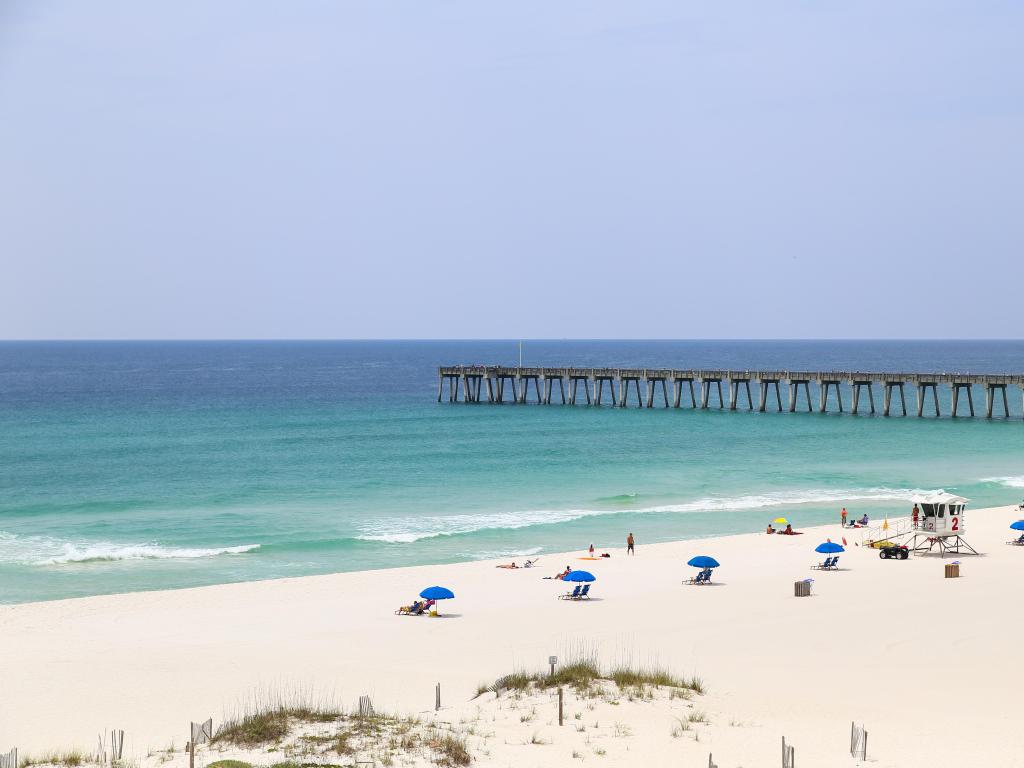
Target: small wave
point(408, 530)
point(1007, 482)
point(41, 550)
point(500, 554)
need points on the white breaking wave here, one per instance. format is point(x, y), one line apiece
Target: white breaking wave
point(42, 550)
point(500, 554)
point(1008, 482)
point(406, 530)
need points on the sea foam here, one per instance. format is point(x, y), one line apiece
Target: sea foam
point(406, 530)
point(42, 550)
point(1007, 482)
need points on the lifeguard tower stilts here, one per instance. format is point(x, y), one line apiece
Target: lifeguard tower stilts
point(938, 521)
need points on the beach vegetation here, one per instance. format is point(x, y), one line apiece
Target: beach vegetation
point(450, 750)
point(269, 719)
point(584, 673)
point(681, 727)
point(229, 764)
point(69, 759)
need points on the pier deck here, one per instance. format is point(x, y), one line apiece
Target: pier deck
point(645, 386)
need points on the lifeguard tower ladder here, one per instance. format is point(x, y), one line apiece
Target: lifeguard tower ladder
point(938, 520)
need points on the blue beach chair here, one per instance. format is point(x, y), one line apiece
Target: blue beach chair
point(584, 592)
point(824, 566)
point(571, 595)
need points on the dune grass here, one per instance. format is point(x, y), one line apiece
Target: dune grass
point(450, 750)
point(583, 672)
point(264, 726)
point(70, 759)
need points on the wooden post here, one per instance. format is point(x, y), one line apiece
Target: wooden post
point(437, 701)
point(559, 706)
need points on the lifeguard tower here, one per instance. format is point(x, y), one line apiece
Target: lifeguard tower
point(938, 520)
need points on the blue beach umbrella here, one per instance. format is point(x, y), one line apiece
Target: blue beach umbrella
point(1018, 526)
point(437, 593)
point(829, 548)
point(703, 561)
point(579, 576)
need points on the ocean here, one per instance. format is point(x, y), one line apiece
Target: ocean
point(155, 465)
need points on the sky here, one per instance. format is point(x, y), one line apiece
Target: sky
point(529, 169)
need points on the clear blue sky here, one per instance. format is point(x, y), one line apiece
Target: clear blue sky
point(252, 169)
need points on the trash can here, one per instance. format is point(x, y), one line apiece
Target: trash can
point(952, 570)
point(802, 589)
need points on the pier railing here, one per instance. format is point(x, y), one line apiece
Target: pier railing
point(488, 383)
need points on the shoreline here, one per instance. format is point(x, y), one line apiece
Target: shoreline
point(556, 556)
point(150, 661)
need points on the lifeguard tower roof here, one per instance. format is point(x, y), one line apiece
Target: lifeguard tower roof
point(938, 497)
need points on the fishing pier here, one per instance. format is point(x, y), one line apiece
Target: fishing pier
point(672, 388)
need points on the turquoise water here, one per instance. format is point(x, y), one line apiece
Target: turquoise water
point(127, 466)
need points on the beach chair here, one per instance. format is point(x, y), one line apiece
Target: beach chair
point(584, 592)
point(835, 564)
point(1019, 541)
point(410, 610)
point(571, 595)
point(701, 578)
point(824, 566)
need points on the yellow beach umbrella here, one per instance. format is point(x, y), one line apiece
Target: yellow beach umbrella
point(780, 521)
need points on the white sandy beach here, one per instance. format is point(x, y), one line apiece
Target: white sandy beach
point(930, 665)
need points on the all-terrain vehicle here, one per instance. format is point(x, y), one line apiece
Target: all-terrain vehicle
point(893, 552)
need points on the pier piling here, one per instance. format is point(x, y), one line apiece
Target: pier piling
point(624, 383)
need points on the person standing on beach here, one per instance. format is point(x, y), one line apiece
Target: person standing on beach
point(844, 517)
point(629, 545)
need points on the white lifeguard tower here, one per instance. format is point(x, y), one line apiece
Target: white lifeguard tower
point(938, 520)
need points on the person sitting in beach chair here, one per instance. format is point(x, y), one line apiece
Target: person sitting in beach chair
point(702, 577)
point(864, 520)
point(571, 595)
point(410, 610)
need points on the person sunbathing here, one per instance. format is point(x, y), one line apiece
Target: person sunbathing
point(789, 530)
point(770, 529)
point(415, 608)
point(566, 572)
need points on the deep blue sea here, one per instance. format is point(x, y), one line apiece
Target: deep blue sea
point(154, 465)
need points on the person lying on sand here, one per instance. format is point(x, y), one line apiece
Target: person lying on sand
point(510, 566)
